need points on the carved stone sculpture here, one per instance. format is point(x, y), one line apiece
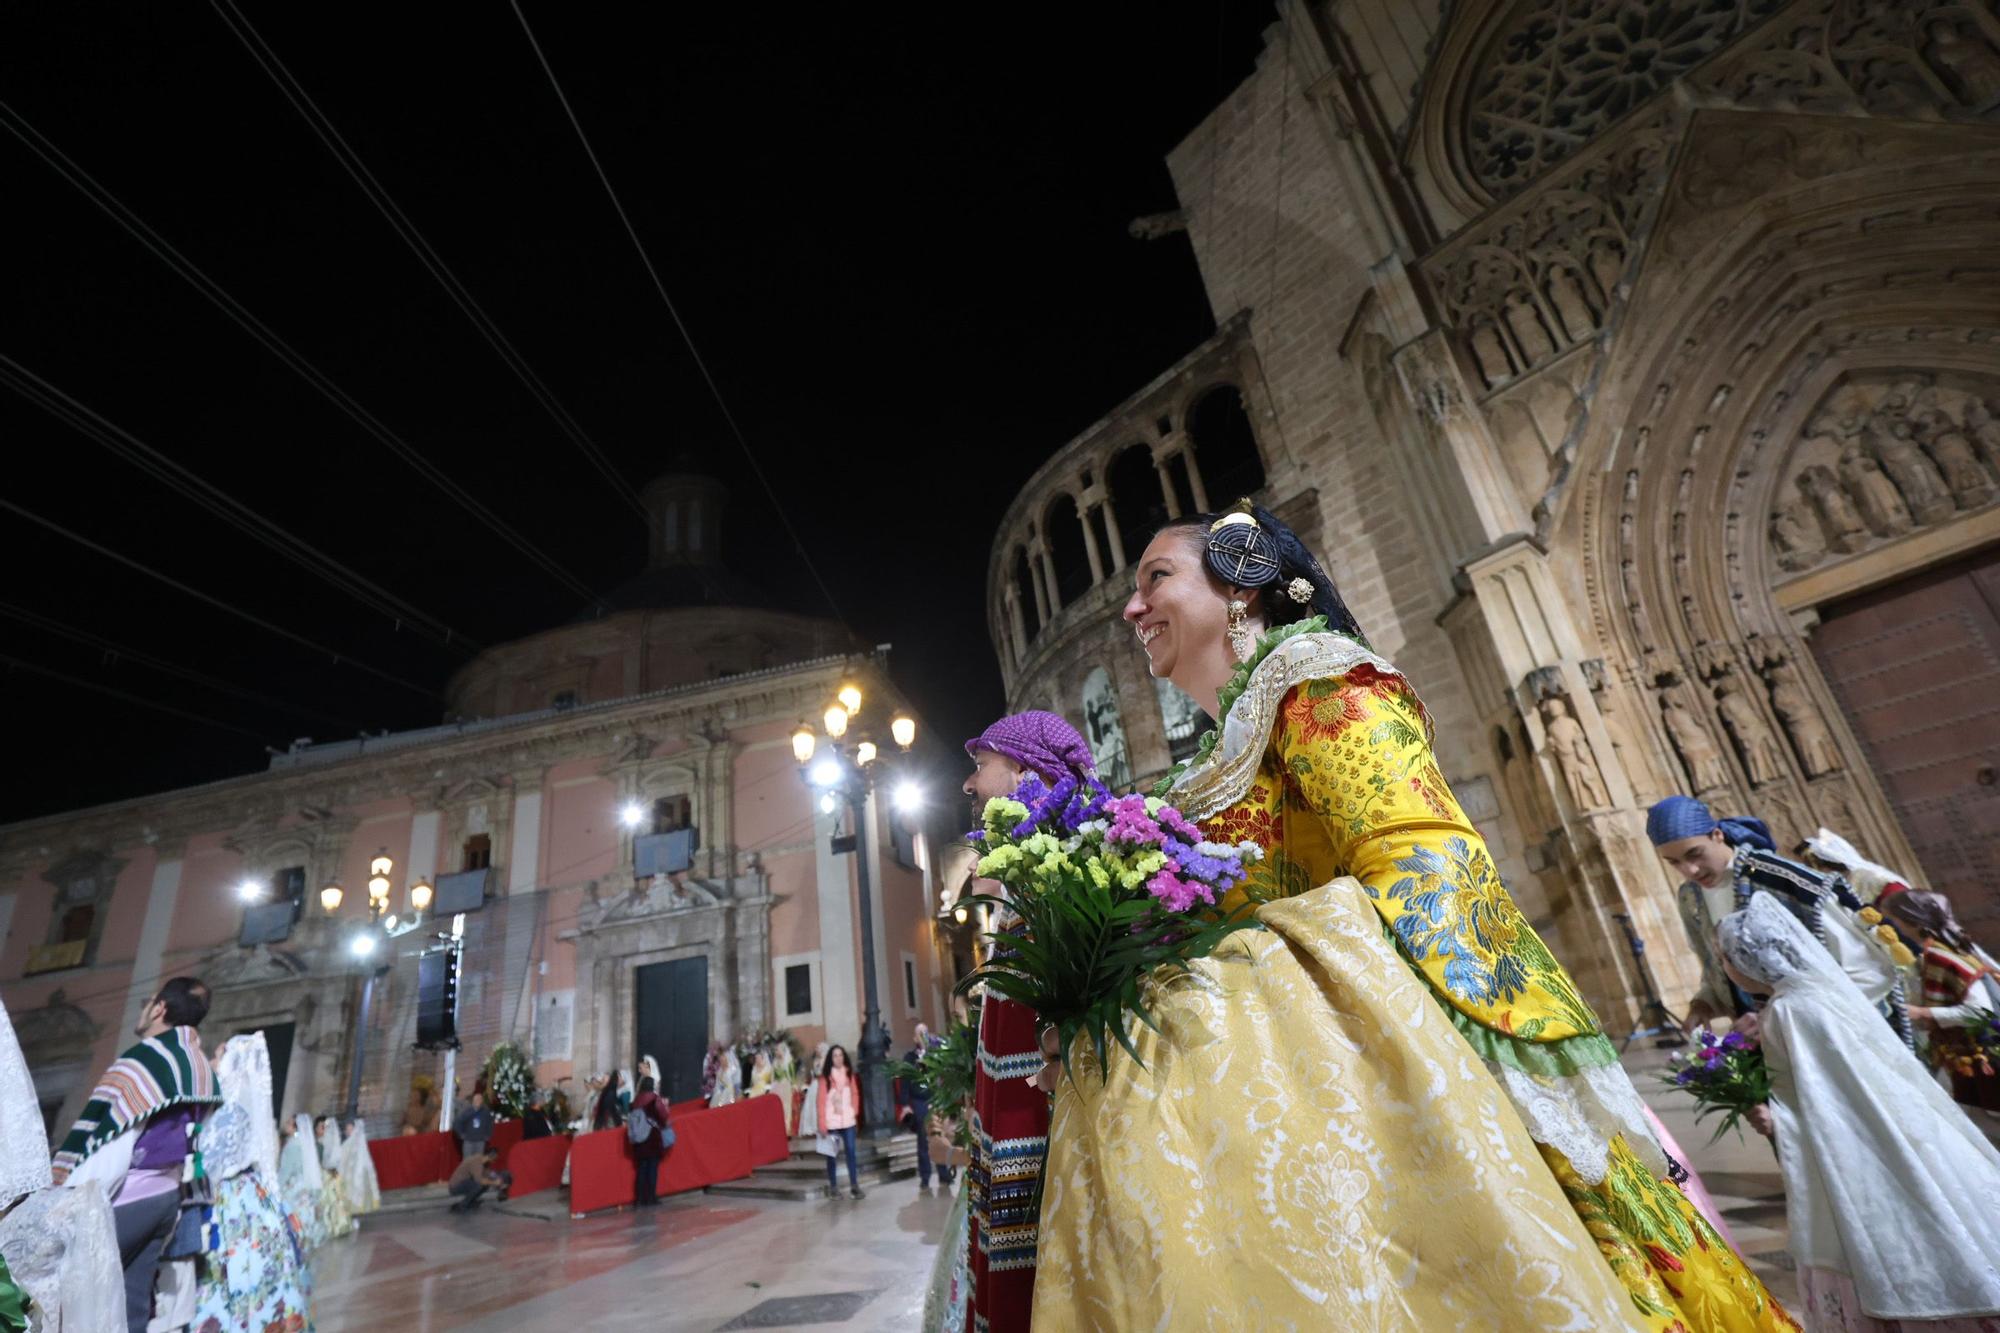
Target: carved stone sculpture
point(1894, 444)
point(1971, 485)
point(1880, 503)
point(1490, 354)
point(1565, 293)
point(1969, 63)
point(1571, 747)
point(1983, 426)
point(1762, 757)
point(1706, 769)
point(1838, 520)
point(1525, 322)
point(1802, 722)
point(1796, 536)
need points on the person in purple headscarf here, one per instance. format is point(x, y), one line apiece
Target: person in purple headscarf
point(1010, 1109)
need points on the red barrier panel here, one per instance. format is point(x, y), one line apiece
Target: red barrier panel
point(413, 1159)
point(688, 1107)
point(506, 1134)
point(600, 1171)
point(768, 1140)
point(709, 1147)
point(537, 1164)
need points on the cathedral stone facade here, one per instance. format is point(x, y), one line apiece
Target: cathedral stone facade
point(1636, 370)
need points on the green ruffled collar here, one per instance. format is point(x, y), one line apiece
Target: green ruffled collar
point(1233, 689)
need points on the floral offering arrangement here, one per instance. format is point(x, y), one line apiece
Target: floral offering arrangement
point(1109, 891)
point(1724, 1075)
point(1969, 1052)
point(510, 1080)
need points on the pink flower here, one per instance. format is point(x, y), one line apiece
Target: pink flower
point(1176, 893)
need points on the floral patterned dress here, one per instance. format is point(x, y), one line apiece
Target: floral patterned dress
point(256, 1279)
point(1423, 999)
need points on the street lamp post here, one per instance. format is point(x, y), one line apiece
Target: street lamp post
point(847, 770)
point(362, 944)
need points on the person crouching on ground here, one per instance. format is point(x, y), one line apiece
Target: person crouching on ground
point(475, 1175)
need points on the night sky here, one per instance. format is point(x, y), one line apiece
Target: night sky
point(898, 239)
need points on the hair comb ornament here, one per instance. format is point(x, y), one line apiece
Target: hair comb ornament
point(1299, 590)
point(1240, 552)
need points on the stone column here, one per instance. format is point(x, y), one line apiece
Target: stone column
point(1016, 621)
point(524, 857)
point(1038, 575)
point(1111, 534)
point(1168, 491)
point(1194, 477)
point(162, 900)
point(1090, 543)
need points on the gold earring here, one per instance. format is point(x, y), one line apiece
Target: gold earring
point(1239, 632)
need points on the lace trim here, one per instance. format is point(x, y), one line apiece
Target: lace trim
point(1578, 1116)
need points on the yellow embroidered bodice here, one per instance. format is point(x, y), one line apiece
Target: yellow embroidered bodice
point(1348, 785)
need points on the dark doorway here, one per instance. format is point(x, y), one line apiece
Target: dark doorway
point(277, 1040)
point(1916, 667)
point(671, 1004)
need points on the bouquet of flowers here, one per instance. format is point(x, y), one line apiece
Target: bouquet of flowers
point(1969, 1051)
point(1723, 1074)
point(1109, 890)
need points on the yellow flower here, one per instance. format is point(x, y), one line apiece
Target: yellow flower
point(1870, 916)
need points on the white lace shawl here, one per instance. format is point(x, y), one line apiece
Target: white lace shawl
point(62, 1247)
point(24, 1146)
point(1578, 1115)
point(243, 1073)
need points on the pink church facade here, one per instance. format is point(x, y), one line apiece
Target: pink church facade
point(653, 719)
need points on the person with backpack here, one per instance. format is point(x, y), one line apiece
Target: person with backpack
point(649, 1130)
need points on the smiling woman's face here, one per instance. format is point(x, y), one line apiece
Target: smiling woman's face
point(1180, 616)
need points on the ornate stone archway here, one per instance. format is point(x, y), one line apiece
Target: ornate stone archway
point(1819, 328)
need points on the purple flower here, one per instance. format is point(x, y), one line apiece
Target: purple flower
point(1685, 1077)
point(1734, 1042)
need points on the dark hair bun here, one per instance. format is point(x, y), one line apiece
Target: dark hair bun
point(1267, 555)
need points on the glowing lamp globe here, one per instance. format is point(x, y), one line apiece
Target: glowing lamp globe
point(904, 730)
point(850, 698)
point(420, 896)
point(803, 744)
point(329, 898)
point(836, 721)
point(864, 753)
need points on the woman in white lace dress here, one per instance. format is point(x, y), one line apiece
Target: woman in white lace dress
point(357, 1171)
point(60, 1245)
point(1892, 1195)
point(255, 1278)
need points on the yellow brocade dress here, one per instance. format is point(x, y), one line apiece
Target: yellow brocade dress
point(1389, 1109)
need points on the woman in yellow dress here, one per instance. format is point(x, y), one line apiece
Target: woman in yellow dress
point(1389, 1109)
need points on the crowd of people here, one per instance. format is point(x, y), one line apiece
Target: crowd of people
point(1391, 1107)
point(172, 1202)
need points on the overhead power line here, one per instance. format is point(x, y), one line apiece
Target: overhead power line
point(218, 502)
point(40, 145)
point(210, 600)
point(78, 682)
point(288, 84)
point(114, 650)
point(714, 389)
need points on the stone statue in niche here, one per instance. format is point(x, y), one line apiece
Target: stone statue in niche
point(1984, 427)
point(1762, 757)
point(1565, 293)
point(1706, 769)
point(1525, 322)
point(1880, 503)
point(1837, 519)
point(1802, 722)
point(1796, 536)
point(1581, 776)
point(1489, 353)
point(1607, 261)
point(1971, 485)
point(1894, 445)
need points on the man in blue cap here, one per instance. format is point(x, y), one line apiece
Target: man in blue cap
point(1723, 862)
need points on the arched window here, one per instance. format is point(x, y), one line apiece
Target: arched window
point(1138, 506)
point(1063, 531)
point(1105, 731)
point(1182, 718)
point(1024, 592)
point(1225, 449)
